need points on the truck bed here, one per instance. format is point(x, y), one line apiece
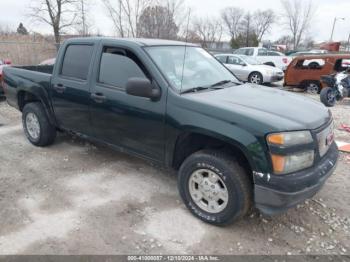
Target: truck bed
point(33, 79)
point(47, 69)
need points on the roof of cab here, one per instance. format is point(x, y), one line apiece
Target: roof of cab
point(139, 41)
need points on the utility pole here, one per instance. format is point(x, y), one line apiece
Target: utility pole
point(334, 22)
point(83, 17)
point(348, 45)
point(248, 29)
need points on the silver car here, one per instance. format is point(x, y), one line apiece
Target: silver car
point(247, 69)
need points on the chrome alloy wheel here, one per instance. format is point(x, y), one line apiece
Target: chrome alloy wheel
point(255, 79)
point(33, 126)
point(208, 191)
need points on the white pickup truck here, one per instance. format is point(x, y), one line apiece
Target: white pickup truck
point(265, 56)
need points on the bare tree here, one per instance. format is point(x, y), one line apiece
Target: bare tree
point(176, 12)
point(232, 18)
point(59, 14)
point(298, 15)
point(84, 24)
point(263, 20)
point(247, 29)
point(209, 30)
point(125, 15)
point(157, 22)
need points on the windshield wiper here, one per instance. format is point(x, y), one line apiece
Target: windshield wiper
point(211, 87)
point(195, 89)
point(223, 82)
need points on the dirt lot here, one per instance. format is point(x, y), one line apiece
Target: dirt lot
point(79, 198)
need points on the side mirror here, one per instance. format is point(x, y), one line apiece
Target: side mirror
point(7, 62)
point(142, 87)
point(244, 64)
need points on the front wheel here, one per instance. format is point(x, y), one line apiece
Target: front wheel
point(36, 125)
point(214, 187)
point(255, 78)
point(328, 96)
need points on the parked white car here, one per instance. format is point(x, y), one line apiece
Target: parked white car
point(248, 69)
point(264, 56)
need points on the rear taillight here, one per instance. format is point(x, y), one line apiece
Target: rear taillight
point(2, 81)
point(285, 60)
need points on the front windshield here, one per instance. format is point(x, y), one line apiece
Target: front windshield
point(250, 60)
point(196, 68)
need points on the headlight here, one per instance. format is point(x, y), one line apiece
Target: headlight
point(292, 162)
point(290, 138)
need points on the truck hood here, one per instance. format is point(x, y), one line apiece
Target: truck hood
point(271, 108)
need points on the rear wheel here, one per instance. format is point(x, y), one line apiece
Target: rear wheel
point(255, 78)
point(312, 87)
point(214, 187)
point(36, 125)
point(328, 97)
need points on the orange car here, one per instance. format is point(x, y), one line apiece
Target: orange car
point(306, 71)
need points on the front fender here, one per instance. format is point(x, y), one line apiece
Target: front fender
point(251, 146)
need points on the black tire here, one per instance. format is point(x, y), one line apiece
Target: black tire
point(312, 87)
point(253, 78)
point(47, 133)
point(327, 96)
point(236, 181)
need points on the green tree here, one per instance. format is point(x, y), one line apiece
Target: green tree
point(22, 30)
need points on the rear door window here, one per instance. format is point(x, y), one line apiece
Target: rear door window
point(233, 60)
point(76, 61)
point(249, 52)
point(262, 52)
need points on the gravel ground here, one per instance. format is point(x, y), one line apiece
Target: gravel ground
point(79, 198)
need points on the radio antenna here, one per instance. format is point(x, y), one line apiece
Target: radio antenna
point(186, 41)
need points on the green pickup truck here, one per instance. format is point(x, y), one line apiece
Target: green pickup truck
point(234, 145)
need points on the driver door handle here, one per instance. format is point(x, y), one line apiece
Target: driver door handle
point(59, 88)
point(98, 98)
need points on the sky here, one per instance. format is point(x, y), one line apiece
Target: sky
point(15, 11)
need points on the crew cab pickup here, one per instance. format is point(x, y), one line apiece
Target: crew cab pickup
point(266, 57)
point(172, 103)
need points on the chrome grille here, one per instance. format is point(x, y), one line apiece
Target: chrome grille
point(325, 139)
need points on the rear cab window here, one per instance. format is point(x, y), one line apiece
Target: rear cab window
point(76, 61)
point(310, 64)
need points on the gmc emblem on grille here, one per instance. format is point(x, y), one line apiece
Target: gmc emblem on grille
point(329, 139)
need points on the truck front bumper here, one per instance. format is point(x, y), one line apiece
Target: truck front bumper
point(295, 188)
